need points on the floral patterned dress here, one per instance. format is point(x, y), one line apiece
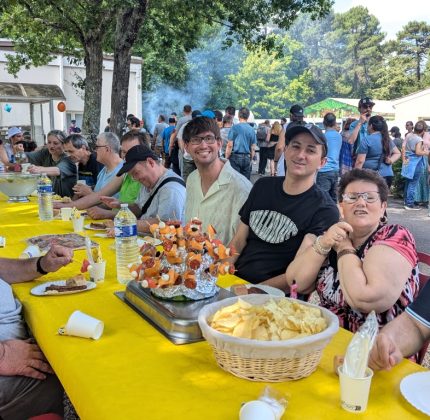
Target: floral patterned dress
point(330, 292)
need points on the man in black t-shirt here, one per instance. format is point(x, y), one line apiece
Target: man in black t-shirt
point(79, 152)
point(279, 212)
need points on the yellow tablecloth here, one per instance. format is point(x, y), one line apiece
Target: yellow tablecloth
point(133, 372)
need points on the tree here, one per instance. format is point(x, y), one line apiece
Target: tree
point(413, 44)
point(320, 54)
point(268, 84)
point(357, 39)
point(86, 24)
point(42, 28)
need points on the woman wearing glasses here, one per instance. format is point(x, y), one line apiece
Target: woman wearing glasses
point(361, 263)
point(52, 160)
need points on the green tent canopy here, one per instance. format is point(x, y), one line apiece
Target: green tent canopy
point(341, 109)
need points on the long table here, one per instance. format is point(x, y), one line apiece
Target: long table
point(134, 372)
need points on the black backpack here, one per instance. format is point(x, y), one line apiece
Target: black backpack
point(261, 133)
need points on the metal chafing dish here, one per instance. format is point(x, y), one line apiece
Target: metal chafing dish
point(176, 320)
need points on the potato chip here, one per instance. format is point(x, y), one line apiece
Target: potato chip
point(276, 320)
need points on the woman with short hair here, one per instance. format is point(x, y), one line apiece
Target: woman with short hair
point(52, 161)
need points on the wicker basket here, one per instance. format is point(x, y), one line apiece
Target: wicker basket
point(266, 361)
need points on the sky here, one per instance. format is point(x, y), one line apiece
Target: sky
point(392, 14)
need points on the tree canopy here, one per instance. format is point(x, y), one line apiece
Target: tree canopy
point(84, 28)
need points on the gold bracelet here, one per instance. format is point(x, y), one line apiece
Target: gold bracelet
point(346, 252)
point(319, 249)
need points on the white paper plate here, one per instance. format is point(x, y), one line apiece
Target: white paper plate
point(39, 290)
point(89, 227)
point(148, 240)
point(273, 291)
point(416, 390)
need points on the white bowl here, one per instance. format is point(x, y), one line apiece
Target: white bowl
point(18, 186)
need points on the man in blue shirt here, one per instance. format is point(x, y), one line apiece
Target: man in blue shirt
point(358, 129)
point(241, 144)
point(327, 176)
point(165, 144)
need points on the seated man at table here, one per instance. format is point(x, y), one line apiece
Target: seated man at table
point(28, 386)
point(215, 192)
point(403, 336)
point(279, 212)
point(78, 150)
point(128, 188)
point(163, 194)
point(107, 153)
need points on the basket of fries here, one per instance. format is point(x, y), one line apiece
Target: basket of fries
point(267, 338)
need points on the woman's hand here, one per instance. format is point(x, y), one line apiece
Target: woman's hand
point(337, 236)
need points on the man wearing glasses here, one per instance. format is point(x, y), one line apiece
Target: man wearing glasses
point(78, 150)
point(358, 129)
point(216, 191)
point(107, 153)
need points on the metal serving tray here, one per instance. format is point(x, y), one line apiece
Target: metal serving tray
point(176, 320)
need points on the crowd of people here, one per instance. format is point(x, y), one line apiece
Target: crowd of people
point(320, 224)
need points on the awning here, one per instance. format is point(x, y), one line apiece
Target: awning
point(30, 93)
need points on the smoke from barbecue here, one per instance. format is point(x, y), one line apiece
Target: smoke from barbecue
point(207, 65)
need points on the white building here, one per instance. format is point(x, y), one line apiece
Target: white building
point(413, 107)
point(62, 73)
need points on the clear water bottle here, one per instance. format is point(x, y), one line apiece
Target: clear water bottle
point(127, 250)
point(44, 194)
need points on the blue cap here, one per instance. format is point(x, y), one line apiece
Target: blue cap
point(208, 113)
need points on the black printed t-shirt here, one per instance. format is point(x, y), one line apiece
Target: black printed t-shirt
point(90, 170)
point(277, 224)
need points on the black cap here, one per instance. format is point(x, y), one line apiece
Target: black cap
point(366, 101)
point(311, 129)
point(296, 110)
point(134, 155)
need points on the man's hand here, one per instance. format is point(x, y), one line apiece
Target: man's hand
point(111, 202)
point(57, 257)
point(97, 213)
point(23, 358)
point(82, 190)
point(34, 169)
point(385, 354)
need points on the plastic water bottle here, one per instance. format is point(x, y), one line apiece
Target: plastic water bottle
point(127, 250)
point(44, 194)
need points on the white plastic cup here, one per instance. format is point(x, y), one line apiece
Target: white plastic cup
point(78, 224)
point(256, 410)
point(354, 392)
point(30, 252)
point(66, 213)
point(81, 181)
point(97, 272)
point(83, 325)
point(25, 167)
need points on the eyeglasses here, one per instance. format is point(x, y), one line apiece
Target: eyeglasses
point(368, 196)
point(367, 106)
point(102, 145)
point(207, 139)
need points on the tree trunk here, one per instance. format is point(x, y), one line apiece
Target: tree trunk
point(93, 86)
point(128, 25)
